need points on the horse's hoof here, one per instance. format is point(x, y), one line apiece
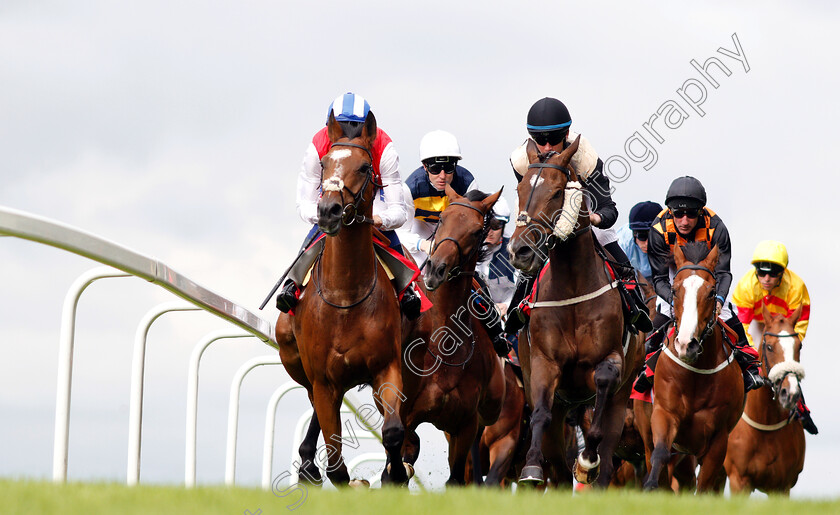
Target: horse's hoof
point(586, 472)
point(409, 469)
point(359, 484)
point(531, 475)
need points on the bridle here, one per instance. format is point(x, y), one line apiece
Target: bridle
point(338, 185)
point(707, 331)
point(523, 218)
point(350, 212)
point(458, 270)
point(766, 364)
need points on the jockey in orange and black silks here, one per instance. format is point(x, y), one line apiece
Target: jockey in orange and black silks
point(687, 219)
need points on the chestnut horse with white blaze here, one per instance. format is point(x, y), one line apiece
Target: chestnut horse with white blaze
point(347, 326)
point(699, 388)
point(574, 351)
point(767, 448)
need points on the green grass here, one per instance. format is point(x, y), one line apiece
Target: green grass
point(29, 497)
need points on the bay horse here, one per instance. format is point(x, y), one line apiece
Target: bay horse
point(347, 325)
point(698, 385)
point(573, 351)
point(452, 376)
point(767, 448)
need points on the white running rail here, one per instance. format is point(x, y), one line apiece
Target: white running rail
point(56, 234)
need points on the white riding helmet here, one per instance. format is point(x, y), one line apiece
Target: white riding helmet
point(439, 144)
point(501, 210)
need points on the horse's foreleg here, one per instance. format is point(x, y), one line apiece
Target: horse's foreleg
point(389, 396)
point(608, 413)
point(711, 466)
point(308, 469)
point(663, 430)
point(544, 379)
point(460, 444)
point(327, 403)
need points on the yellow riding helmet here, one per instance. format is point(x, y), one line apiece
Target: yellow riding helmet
point(770, 251)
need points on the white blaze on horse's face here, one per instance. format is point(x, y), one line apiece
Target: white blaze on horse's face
point(334, 182)
point(790, 369)
point(689, 319)
point(536, 181)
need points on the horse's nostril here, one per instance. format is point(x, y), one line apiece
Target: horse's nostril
point(335, 210)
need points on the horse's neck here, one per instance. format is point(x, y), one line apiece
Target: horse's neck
point(349, 258)
point(714, 352)
point(575, 263)
point(452, 306)
point(763, 408)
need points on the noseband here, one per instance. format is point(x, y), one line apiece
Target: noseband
point(462, 260)
point(523, 218)
point(799, 373)
point(350, 212)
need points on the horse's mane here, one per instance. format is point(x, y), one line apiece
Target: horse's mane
point(545, 156)
point(695, 251)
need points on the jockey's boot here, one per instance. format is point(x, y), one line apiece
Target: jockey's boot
point(287, 299)
point(410, 303)
point(643, 382)
point(804, 415)
point(492, 324)
point(634, 304)
point(753, 379)
point(516, 318)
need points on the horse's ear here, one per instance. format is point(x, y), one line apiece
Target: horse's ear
point(711, 260)
point(451, 193)
point(567, 154)
point(532, 150)
point(487, 204)
point(766, 314)
point(794, 317)
point(679, 256)
point(369, 129)
point(334, 130)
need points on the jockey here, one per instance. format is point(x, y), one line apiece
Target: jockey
point(350, 111)
point(423, 191)
point(633, 237)
point(774, 285)
point(685, 219)
point(425, 198)
point(548, 125)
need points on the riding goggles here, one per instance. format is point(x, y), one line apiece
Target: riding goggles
point(550, 137)
point(771, 269)
point(680, 213)
point(640, 235)
point(436, 168)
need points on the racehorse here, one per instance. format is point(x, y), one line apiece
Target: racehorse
point(347, 325)
point(699, 389)
point(573, 350)
point(452, 376)
point(767, 448)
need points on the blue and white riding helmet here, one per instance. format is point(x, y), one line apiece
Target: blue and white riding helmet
point(349, 107)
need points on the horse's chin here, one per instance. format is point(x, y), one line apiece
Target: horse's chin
point(431, 283)
point(691, 353)
point(528, 265)
point(330, 228)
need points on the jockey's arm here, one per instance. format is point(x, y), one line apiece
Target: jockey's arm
point(408, 237)
point(309, 186)
point(723, 275)
point(659, 255)
point(744, 301)
point(393, 213)
point(597, 187)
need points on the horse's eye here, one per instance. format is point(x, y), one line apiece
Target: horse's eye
point(769, 348)
point(365, 168)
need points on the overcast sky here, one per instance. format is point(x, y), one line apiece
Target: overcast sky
point(177, 129)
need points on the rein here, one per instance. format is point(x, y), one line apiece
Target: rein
point(336, 184)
